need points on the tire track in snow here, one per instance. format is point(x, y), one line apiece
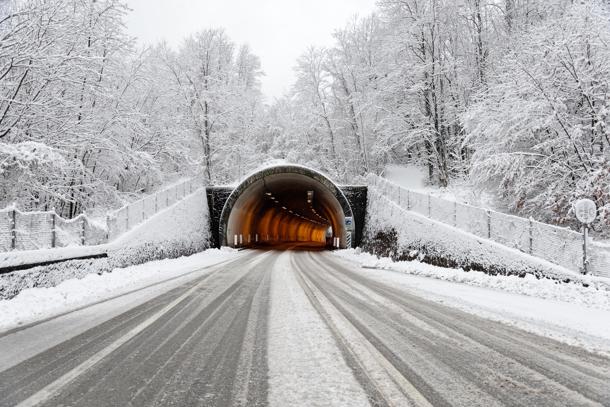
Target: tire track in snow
point(385, 385)
point(473, 361)
point(306, 367)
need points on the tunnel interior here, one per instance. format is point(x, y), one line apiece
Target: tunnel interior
point(284, 210)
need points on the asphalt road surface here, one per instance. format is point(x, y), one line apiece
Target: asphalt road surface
point(207, 343)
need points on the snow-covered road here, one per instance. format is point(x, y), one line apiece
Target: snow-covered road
point(292, 328)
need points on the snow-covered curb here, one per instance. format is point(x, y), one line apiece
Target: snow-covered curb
point(34, 304)
point(595, 295)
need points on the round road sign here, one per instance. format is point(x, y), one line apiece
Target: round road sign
point(586, 211)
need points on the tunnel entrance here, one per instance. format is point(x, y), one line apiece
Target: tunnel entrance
point(287, 206)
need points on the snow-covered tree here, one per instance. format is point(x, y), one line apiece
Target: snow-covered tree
point(540, 131)
point(123, 121)
point(220, 97)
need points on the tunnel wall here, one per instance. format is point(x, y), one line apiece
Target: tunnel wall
point(282, 170)
point(217, 197)
point(356, 196)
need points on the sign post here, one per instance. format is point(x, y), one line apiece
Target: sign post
point(586, 212)
point(349, 222)
point(349, 226)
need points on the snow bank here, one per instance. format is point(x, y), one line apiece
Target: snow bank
point(79, 290)
point(407, 176)
point(180, 230)
point(185, 221)
point(570, 313)
point(461, 190)
point(181, 225)
point(595, 293)
point(13, 283)
point(17, 258)
point(401, 234)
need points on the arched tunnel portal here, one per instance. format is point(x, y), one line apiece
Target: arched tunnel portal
point(286, 204)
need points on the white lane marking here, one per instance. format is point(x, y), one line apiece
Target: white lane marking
point(53, 388)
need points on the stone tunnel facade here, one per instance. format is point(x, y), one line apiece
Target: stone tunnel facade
point(302, 197)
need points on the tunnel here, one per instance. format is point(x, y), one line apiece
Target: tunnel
point(287, 206)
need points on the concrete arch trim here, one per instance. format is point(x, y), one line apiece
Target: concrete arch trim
point(275, 170)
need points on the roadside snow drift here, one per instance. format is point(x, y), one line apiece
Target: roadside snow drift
point(570, 313)
point(180, 230)
point(34, 304)
point(401, 234)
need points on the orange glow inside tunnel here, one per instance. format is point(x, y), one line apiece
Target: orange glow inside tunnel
point(285, 208)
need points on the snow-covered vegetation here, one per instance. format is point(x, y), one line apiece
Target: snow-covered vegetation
point(89, 120)
point(511, 95)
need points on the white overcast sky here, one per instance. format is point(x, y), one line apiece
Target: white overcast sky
point(278, 31)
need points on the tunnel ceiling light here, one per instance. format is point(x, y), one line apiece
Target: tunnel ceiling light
point(284, 208)
point(268, 194)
